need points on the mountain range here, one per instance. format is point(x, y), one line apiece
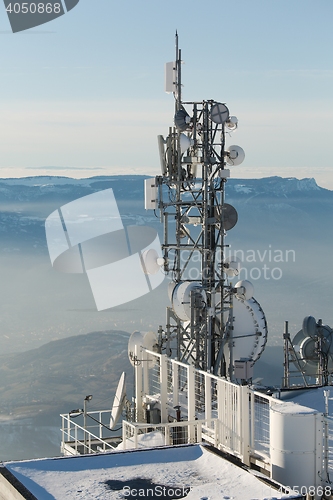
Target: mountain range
point(50, 357)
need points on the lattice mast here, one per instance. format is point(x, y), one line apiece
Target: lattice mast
point(191, 200)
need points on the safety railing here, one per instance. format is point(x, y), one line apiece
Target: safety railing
point(80, 437)
point(136, 435)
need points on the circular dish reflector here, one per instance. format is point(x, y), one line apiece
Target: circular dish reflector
point(219, 113)
point(229, 216)
point(148, 340)
point(235, 155)
point(250, 330)
point(245, 290)
point(181, 299)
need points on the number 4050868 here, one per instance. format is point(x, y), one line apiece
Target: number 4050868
point(34, 8)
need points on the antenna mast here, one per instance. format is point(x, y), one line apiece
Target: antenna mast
point(191, 200)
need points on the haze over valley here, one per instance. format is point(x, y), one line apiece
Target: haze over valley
point(56, 347)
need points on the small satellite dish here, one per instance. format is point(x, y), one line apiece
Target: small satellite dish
point(219, 113)
point(232, 123)
point(182, 119)
point(181, 298)
point(232, 266)
point(151, 261)
point(309, 326)
point(119, 401)
point(228, 216)
point(245, 290)
point(185, 143)
point(148, 340)
point(235, 155)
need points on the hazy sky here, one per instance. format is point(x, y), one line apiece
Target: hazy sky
point(85, 92)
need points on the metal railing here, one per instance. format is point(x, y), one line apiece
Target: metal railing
point(136, 435)
point(78, 438)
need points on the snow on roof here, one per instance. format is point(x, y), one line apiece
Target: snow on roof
point(191, 469)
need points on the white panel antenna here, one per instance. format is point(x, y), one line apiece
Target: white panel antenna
point(150, 194)
point(170, 77)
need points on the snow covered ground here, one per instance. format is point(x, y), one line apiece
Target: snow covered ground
point(192, 472)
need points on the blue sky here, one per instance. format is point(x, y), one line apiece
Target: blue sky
point(84, 94)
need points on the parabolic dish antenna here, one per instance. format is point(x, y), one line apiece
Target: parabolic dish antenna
point(244, 290)
point(235, 155)
point(151, 261)
point(148, 340)
point(182, 119)
point(306, 347)
point(228, 216)
point(119, 401)
point(309, 326)
point(249, 335)
point(219, 113)
point(232, 266)
point(181, 298)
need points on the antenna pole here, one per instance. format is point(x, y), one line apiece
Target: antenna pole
point(191, 202)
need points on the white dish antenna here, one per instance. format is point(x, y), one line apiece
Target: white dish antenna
point(309, 326)
point(147, 340)
point(232, 123)
point(306, 343)
point(181, 298)
point(249, 334)
point(232, 266)
point(152, 262)
point(119, 401)
point(244, 290)
point(235, 155)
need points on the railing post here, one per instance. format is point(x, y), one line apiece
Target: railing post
point(124, 435)
point(164, 388)
point(191, 402)
point(208, 399)
point(253, 419)
point(245, 421)
point(319, 452)
point(175, 382)
point(138, 384)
